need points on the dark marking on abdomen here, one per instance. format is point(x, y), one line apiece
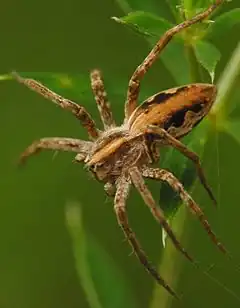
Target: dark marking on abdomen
point(161, 98)
point(177, 118)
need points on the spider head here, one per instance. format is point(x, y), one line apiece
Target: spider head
point(108, 162)
point(103, 161)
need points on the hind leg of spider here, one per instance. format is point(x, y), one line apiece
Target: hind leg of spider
point(158, 214)
point(78, 111)
point(172, 181)
point(101, 99)
point(171, 141)
point(123, 186)
point(134, 83)
point(59, 144)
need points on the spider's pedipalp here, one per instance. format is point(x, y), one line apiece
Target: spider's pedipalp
point(79, 158)
point(78, 111)
point(166, 176)
point(110, 189)
point(134, 83)
point(59, 144)
point(101, 99)
point(158, 214)
point(123, 186)
point(169, 140)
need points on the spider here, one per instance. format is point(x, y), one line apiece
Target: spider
point(121, 156)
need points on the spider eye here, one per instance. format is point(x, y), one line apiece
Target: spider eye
point(96, 166)
point(92, 168)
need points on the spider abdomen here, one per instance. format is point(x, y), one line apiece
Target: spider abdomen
point(176, 110)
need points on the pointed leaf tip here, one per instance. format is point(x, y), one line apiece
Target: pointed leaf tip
point(208, 56)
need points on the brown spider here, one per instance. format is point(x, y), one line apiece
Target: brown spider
point(120, 156)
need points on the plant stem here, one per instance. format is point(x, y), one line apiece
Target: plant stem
point(6, 77)
point(225, 86)
point(187, 4)
point(194, 70)
point(169, 265)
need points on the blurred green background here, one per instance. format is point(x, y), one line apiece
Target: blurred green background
point(37, 266)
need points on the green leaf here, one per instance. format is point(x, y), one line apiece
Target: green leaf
point(96, 270)
point(223, 104)
point(133, 27)
point(233, 129)
point(153, 27)
point(176, 62)
point(175, 7)
point(187, 7)
point(223, 24)
point(190, 8)
point(145, 23)
point(208, 56)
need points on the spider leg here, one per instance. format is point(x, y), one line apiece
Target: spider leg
point(123, 186)
point(171, 141)
point(78, 111)
point(134, 83)
point(101, 99)
point(158, 214)
point(59, 144)
point(166, 176)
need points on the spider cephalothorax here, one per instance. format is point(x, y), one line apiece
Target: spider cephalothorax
point(117, 156)
point(120, 156)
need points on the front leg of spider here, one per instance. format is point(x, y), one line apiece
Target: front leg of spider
point(57, 144)
point(123, 186)
point(101, 99)
point(78, 111)
point(142, 69)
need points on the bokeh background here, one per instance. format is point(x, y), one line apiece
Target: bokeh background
point(37, 267)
